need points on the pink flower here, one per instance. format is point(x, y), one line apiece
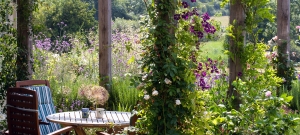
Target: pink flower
point(297, 27)
point(268, 93)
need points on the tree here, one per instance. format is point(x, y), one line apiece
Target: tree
point(76, 14)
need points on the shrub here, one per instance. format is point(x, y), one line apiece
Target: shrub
point(96, 94)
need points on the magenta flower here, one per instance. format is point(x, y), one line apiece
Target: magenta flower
point(193, 0)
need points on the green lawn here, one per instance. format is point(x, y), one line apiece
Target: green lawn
point(213, 50)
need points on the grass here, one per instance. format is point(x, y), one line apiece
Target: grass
point(123, 97)
point(213, 50)
point(223, 19)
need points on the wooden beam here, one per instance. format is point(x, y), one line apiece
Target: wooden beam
point(237, 19)
point(24, 67)
point(104, 42)
point(283, 31)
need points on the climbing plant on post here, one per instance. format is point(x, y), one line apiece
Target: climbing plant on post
point(24, 10)
point(236, 44)
point(170, 50)
point(284, 68)
point(8, 43)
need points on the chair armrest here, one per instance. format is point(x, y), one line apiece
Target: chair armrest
point(62, 130)
point(43, 122)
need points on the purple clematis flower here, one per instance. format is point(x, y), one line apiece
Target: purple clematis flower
point(184, 4)
point(176, 16)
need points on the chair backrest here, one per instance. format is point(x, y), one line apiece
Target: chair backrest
point(22, 113)
point(45, 102)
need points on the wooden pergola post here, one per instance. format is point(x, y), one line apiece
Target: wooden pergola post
point(237, 19)
point(104, 42)
point(283, 31)
point(24, 66)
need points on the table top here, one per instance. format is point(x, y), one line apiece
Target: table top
point(75, 118)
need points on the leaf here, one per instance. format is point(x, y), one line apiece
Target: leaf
point(286, 98)
point(131, 60)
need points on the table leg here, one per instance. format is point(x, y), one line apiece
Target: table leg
point(79, 130)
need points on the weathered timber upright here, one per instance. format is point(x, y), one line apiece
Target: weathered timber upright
point(237, 19)
point(283, 31)
point(24, 46)
point(105, 42)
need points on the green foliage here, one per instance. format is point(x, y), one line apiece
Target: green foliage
point(295, 92)
point(170, 103)
point(8, 46)
point(124, 25)
point(269, 28)
point(123, 97)
point(259, 112)
point(128, 9)
point(76, 14)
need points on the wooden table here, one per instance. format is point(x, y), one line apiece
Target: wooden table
point(73, 118)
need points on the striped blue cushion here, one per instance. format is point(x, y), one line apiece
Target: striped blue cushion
point(46, 107)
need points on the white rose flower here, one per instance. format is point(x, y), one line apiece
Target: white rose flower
point(177, 102)
point(154, 93)
point(167, 81)
point(140, 86)
point(146, 97)
point(144, 77)
point(145, 92)
point(2, 117)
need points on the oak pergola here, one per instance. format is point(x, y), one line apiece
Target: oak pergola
point(104, 9)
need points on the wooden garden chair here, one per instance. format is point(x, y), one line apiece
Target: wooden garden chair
point(45, 102)
point(22, 113)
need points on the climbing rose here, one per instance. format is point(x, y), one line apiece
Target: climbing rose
point(177, 102)
point(146, 97)
point(167, 81)
point(155, 93)
point(268, 93)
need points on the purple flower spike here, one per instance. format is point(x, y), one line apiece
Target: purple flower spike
point(185, 4)
point(203, 73)
point(192, 29)
point(176, 16)
point(193, 0)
